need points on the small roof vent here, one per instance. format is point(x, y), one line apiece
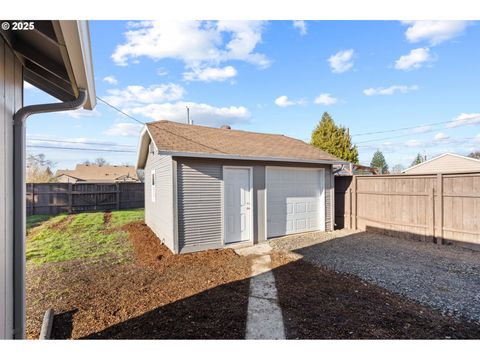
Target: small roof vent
point(225, 127)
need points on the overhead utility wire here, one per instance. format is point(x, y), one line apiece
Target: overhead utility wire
point(74, 148)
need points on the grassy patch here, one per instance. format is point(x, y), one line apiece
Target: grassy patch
point(81, 236)
point(36, 220)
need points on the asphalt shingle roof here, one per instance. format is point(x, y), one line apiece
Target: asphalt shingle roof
point(183, 138)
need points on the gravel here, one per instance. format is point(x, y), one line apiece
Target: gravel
point(446, 278)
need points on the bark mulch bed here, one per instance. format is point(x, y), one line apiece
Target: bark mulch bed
point(153, 295)
point(321, 304)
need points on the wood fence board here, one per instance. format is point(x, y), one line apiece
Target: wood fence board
point(437, 207)
point(54, 198)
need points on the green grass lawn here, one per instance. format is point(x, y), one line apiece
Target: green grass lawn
point(80, 236)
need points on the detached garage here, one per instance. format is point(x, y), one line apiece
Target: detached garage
point(208, 188)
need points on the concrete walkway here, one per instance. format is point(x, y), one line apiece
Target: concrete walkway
point(264, 320)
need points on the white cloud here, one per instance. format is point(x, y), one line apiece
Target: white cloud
point(284, 101)
point(435, 32)
point(421, 129)
point(413, 143)
point(81, 113)
point(415, 59)
point(162, 72)
point(464, 119)
point(110, 80)
point(124, 129)
point(199, 113)
point(28, 86)
point(134, 95)
point(325, 99)
point(210, 74)
point(196, 43)
point(301, 26)
point(440, 136)
point(341, 61)
point(390, 90)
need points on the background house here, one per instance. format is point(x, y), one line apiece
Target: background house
point(208, 187)
point(97, 174)
point(353, 169)
point(54, 56)
point(445, 163)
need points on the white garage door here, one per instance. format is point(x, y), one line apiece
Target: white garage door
point(295, 200)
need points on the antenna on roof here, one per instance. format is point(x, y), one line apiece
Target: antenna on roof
point(188, 115)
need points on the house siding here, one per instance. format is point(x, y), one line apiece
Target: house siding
point(445, 164)
point(159, 215)
point(199, 194)
point(11, 99)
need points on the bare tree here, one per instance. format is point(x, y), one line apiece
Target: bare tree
point(475, 155)
point(39, 169)
point(101, 162)
point(397, 169)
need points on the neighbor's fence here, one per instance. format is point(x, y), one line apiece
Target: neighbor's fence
point(442, 207)
point(54, 198)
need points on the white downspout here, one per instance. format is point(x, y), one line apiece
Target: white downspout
point(19, 202)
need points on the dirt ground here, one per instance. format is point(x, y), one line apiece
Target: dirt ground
point(155, 294)
point(318, 303)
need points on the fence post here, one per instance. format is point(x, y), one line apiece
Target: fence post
point(349, 207)
point(440, 208)
point(32, 203)
point(354, 205)
point(70, 195)
point(117, 194)
point(432, 206)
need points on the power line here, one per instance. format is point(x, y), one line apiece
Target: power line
point(394, 137)
point(401, 129)
point(80, 142)
point(77, 149)
point(120, 111)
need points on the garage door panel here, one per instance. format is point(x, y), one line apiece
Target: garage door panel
point(293, 200)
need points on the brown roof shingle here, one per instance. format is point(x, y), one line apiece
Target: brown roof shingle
point(183, 138)
point(95, 173)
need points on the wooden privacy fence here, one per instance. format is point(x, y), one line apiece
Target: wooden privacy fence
point(54, 198)
point(443, 207)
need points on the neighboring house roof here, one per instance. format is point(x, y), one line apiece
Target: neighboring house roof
point(445, 163)
point(105, 173)
point(57, 58)
point(177, 139)
point(353, 169)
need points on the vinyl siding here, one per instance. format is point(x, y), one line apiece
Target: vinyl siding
point(199, 193)
point(11, 99)
point(159, 215)
point(446, 164)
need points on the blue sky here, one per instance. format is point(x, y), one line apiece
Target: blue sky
point(277, 77)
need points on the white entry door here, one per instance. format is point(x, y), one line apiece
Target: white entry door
point(237, 204)
point(295, 200)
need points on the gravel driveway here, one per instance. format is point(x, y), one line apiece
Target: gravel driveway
point(444, 277)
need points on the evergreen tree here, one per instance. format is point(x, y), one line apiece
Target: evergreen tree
point(334, 139)
point(418, 159)
point(378, 161)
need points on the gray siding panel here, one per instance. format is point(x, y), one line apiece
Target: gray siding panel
point(11, 99)
point(199, 193)
point(159, 214)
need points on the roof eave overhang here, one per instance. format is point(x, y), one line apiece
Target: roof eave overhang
point(251, 158)
point(142, 148)
point(76, 38)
